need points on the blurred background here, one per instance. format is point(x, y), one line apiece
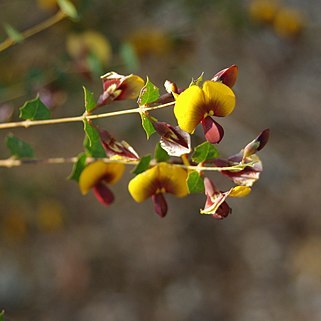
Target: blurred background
point(66, 257)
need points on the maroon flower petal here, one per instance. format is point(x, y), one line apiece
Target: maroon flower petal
point(112, 147)
point(160, 204)
point(103, 194)
point(174, 140)
point(227, 76)
point(213, 131)
point(223, 211)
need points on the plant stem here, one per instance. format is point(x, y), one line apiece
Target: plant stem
point(29, 123)
point(7, 43)
point(11, 162)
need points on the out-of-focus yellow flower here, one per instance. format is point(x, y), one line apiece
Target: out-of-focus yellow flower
point(263, 10)
point(97, 176)
point(150, 41)
point(196, 105)
point(90, 41)
point(288, 22)
point(154, 182)
point(50, 216)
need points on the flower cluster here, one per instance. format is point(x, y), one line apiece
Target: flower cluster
point(286, 21)
point(177, 168)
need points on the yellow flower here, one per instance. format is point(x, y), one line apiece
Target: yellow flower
point(97, 175)
point(90, 41)
point(263, 10)
point(196, 105)
point(150, 41)
point(288, 22)
point(154, 182)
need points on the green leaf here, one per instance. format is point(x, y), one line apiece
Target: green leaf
point(148, 94)
point(13, 34)
point(197, 81)
point(204, 151)
point(160, 154)
point(92, 142)
point(195, 182)
point(34, 109)
point(90, 102)
point(129, 57)
point(142, 165)
point(147, 125)
point(2, 315)
point(18, 148)
point(68, 8)
point(77, 168)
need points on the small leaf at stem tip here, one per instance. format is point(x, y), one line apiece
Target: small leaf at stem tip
point(34, 109)
point(92, 141)
point(143, 165)
point(147, 125)
point(18, 148)
point(160, 154)
point(78, 167)
point(148, 94)
point(195, 182)
point(68, 8)
point(90, 103)
point(204, 152)
point(13, 34)
point(197, 81)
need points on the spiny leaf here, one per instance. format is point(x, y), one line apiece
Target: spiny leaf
point(143, 165)
point(68, 8)
point(148, 94)
point(34, 109)
point(195, 182)
point(160, 154)
point(204, 151)
point(18, 148)
point(78, 167)
point(90, 103)
point(147, 125)
point(13, 34)
point(92, 142)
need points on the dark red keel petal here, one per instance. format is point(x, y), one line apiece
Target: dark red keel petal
point(160, 204)
point(103, 194)
point(213, 131)
point(223, 211)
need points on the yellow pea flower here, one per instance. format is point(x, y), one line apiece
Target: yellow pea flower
point(97, 176)
point(196, 105)
point(154, 182)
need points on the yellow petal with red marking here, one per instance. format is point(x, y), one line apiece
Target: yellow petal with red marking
point(219, 98)
point(97, 171)
point(162, 178)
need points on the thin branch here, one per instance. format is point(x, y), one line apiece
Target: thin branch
point(29, 123)
point(11, 162)
point(60, 15)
